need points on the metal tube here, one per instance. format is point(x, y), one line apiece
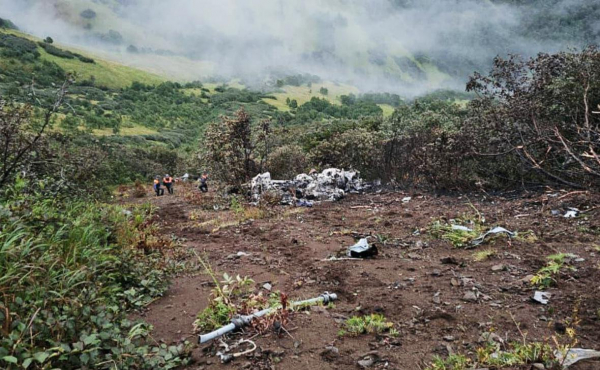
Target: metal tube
point(238, 322)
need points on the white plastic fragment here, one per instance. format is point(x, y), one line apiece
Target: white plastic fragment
point(541, 297)
point(496, 230)
point(362, 249)
point(406, 199)
point(571, 213)
point(461, 228)
point(574, 355)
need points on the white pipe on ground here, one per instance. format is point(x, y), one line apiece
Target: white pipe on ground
point(239, 321)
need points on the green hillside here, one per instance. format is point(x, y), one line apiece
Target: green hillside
point(106, 73)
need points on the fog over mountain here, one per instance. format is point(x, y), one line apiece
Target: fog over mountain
point(397, 45)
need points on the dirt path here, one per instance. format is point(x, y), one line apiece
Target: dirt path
point(438, 297)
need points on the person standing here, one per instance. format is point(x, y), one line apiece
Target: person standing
point(168, 181)
point(203, 182)
point(157, 189)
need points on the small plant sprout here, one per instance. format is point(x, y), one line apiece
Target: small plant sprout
point(483, 255)
point(369, 324)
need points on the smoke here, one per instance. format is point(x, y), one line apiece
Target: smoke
point(406, 46)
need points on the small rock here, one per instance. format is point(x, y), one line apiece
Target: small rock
point(454, 282)
point(449, 261)
point(247, 365)
point(330, 353)
point(367, 362)
point(278, 352)
point(449, 338)
point(319, 309)
point(436, 272)
point(414, 256)
point(436, 299)
point(527, 279)
point(539, 366)
point(419, 244)
point(232, 257)
point(499, 267)
point(470, 297)
point(560, 328)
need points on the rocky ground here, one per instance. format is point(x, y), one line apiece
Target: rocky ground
point(440, 299)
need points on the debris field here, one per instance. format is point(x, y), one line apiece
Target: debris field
point(441, 299)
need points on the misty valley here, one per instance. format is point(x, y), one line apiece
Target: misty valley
point(392, 184)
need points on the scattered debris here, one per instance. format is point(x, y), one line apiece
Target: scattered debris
point(461, 228)
point(496, 230)
point(304, 203)
point(574, 355)
point(449, 338)
point(406, 199)
point(571, 213)
point(332, 184)
point(267, 286)
point(362, 249)
point(228, 357)
point(541, 297)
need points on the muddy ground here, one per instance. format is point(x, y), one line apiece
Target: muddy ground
point(418, 282)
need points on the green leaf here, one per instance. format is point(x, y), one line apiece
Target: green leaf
point(90, 339)
point(41, 356)
point(85, 358)
point(10, 359)
point(27, 362)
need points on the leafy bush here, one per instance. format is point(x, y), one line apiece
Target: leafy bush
point(286, 162)
point(88, 14)
point(15, 46)
point(354, 149)
point(69, 273)
point(53, 50)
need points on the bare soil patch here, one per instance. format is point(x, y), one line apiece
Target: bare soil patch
point(418, 282)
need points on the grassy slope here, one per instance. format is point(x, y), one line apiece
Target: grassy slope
point(109, 74)
point(303, 93)
point(387, 109)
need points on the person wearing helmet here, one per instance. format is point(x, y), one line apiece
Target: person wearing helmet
point(157, 189)
point(168, 181)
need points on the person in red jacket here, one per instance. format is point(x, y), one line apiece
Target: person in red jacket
point(168, 181)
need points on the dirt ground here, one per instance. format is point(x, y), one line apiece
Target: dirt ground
point(416, 281)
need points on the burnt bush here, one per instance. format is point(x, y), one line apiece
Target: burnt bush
point(539, 114)
point(287, 161)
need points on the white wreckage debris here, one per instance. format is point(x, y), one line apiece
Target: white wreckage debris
point(330, 185)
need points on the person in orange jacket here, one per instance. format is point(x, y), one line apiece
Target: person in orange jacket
point(168, 181)
point(157, 189)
